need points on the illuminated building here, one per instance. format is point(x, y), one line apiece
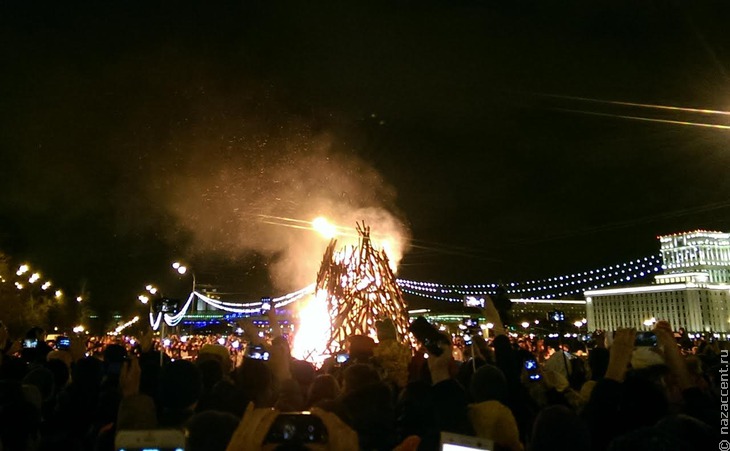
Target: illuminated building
point(531, 309)
point(693, 292)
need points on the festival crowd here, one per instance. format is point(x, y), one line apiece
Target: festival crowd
point(619, 393)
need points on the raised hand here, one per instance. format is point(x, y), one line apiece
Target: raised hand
point(252, 430)
point(672, 356)
point(145, 340)
point(129, 377)
point(620, 354)
point(340, 435)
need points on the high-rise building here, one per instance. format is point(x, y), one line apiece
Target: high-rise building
point(693, 292)
point(698, 252)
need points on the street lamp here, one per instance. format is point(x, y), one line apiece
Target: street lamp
point(182, 269)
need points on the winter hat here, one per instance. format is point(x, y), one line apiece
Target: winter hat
point(494, 421)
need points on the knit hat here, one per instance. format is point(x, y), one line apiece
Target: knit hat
point(494, 421)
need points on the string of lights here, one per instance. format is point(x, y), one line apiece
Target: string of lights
point(174, 320)
point(538, 289)
point(552, 287)
point(155, 320)
point(124, 326)
point(251, 307)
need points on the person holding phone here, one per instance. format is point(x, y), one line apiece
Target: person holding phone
point(268, 429)
point(35, 349)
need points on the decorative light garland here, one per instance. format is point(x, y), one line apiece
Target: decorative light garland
point(155, 321)
point(247, 308)
point(549, 288)
point(124, 326)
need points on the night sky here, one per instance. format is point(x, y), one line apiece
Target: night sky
point(507, 140)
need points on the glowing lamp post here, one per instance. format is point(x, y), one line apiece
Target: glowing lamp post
point(182, 270)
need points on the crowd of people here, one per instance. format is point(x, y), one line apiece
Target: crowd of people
point(517, 392)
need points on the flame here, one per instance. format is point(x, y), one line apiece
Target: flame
point(315, 318)
point(313, 332)
point(324, 227)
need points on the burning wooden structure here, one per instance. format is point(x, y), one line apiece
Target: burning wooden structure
point(360, 289)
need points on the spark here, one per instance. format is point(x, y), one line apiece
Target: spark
point(324, 227)
point(642, 105)
point(647, 119)
point(307, 225)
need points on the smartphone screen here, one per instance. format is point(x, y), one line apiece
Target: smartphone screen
point(474, 301)
point(30, 343)
point(257, 353)
point(63, 343)
point(297, 428)
point(457, 442)
point(645, 339)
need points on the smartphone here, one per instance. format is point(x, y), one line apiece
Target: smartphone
point(532, 370)
point(470, 322)
point(467, 340)
point(557, 316)
point(473, 301)
point(257, 353)
point(645, 339)
point(342, 357)
point(297, 428)
point(150, 440)
point(30, 343)
point(458, 442)
point(63, 343)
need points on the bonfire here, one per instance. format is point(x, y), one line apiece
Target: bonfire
point(358, 288)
